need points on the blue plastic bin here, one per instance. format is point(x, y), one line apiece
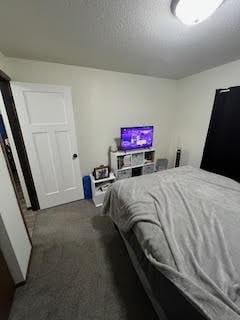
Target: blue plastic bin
point(87, 187)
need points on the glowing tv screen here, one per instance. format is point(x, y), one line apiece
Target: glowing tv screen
point(136, 137)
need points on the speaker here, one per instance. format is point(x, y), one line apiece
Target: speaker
point(178, 158)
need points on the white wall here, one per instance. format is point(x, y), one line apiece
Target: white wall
point(194, 106)
point(104, 101)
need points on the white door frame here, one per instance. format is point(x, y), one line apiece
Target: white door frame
point(14, 152)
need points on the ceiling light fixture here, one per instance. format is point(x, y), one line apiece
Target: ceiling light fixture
point(194, 11)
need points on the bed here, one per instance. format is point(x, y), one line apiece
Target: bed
point(182, 231)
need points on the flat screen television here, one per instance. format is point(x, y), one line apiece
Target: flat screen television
point(136, 137)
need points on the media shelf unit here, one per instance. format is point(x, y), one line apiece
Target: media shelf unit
point(126, 164)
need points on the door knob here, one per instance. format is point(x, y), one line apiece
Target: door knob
point(74, 156)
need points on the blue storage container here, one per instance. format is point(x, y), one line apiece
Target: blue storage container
point(87, 187)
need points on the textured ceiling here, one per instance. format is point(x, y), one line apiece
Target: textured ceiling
point(136, 36)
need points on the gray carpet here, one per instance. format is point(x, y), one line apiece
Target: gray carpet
point(79, 270)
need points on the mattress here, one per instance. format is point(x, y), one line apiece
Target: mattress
point(185, 223)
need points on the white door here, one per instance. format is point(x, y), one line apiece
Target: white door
point(46, 118)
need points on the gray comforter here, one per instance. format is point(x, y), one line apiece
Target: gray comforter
point(188, 224)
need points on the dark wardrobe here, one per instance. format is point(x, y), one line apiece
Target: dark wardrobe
point(222, 148)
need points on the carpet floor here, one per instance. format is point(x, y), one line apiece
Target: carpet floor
point(80, 270)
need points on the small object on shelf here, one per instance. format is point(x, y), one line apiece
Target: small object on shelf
point(114, 147)
point(99, 188)
point(120, 163)
point(105, 186)
point(149, 157)
point(137, 159)
point(101, 172)
point(148, 168)
point(123, 174)
point(127, 160)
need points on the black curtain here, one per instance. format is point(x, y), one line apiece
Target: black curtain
point(222, 148)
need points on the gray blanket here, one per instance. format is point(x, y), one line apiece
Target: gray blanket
point(188, 225)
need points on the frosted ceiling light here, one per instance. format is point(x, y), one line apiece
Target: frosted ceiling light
point(194, 11)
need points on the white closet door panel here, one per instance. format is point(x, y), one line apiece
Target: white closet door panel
point(65, 152)
point(37, 106)
point(45, 160)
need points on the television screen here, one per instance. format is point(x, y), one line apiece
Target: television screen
point(136, 137)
